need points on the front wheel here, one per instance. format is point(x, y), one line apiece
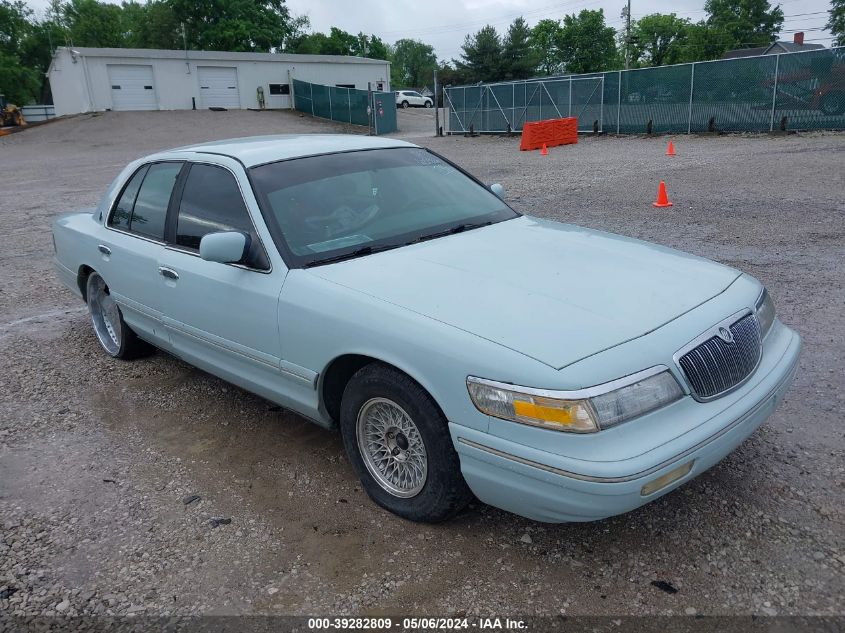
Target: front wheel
point(399, 445)
point(428, 104)
point(115, 337)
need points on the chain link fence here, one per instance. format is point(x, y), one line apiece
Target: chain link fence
point(347, 105)
point(797, 91)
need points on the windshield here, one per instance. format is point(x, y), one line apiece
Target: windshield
point(355, 203)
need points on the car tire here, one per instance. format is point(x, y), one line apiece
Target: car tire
point(405, 104)
point(428, 104)
point(833, 103)
point(115, 337)
point(398, 442)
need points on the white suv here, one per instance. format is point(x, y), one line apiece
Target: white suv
point(407, 98)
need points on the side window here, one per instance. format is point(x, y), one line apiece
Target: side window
point(123, 209)
point(142, 207)
point(211, 201)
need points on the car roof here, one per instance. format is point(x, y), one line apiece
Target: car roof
point(257, 150)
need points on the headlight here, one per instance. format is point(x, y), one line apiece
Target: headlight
point(765, 312)
point(584, 411)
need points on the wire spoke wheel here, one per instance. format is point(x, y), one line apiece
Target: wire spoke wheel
point(392, 447)
point(105, 315)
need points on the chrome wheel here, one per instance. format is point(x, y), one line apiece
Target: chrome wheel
point(105, 315)
point(392, 447)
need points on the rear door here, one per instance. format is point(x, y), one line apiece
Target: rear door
point(132, 87)
point(129, 261)
point(221, 317)
point(218, 87)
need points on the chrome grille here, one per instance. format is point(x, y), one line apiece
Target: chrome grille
point(716, 366)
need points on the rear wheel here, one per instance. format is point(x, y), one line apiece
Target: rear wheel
point(405, 104)
point(115, 337)
point(399, 445)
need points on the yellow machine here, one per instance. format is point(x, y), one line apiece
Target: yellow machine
point(10, 114)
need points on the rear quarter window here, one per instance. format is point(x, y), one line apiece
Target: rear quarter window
point(122, 213)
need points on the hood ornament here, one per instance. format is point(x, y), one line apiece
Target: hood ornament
point(725, 334)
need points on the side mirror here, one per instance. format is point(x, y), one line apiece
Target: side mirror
point(498, 189)
point(224, 247)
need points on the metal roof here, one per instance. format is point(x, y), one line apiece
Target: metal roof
point(158, 53)
point(257, 150)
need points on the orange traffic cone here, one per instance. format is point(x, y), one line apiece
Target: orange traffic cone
point(544, 151)
point(670, 149)
point(662, 198)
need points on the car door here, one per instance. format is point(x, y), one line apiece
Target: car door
point(134, 243)
point(220, 317)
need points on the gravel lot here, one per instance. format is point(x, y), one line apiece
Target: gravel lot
point(99, 458)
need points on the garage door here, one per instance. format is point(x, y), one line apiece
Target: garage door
point(132, 87)
point(218, 87)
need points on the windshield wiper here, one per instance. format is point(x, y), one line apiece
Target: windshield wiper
point(359, 252)
point(460, 228)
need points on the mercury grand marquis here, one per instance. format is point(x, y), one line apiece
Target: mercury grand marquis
point(461, 348)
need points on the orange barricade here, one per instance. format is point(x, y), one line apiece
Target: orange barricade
point(552, 132)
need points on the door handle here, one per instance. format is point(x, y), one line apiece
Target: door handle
point(164, 271)
point(105, 250)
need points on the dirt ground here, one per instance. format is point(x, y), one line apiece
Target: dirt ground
point(97, 456)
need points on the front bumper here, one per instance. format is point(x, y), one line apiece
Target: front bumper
point(551, 488)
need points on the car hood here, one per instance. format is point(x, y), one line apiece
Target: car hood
point(555, 292)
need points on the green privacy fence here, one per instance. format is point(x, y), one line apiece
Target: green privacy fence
point(798, 91)
point(346, 105)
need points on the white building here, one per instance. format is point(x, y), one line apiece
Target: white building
point(96, 79)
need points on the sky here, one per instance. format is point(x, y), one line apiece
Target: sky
point(445, 23)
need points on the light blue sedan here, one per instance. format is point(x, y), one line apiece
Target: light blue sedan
point(463, 349)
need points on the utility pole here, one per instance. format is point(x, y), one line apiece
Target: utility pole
point(626, 13)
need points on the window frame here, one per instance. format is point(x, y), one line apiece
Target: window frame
point(173, 216)
point(117, 198)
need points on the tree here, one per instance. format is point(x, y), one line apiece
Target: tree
point(481, 59)
point(412, 64)
point(339, 42)
point(544, 41)
point(518, 57)
point(745, 23)
point(92, 23)
point(150, 25)
point(234, 25)
point(18, 82)
point(836, 23)
point(659, 39)
point(449, 75)
point(586, 43)
point(371, 46)
point(704, 41)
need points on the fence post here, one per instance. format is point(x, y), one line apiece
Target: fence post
point(691, 87)
point(542, 85)
point(375, 115)
point(619, 103)
point(601, 108)
point(570, 95)
point(311, 86)
point(774, 94)
point(331, 112)
point(292, 90)
point(436, 108)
